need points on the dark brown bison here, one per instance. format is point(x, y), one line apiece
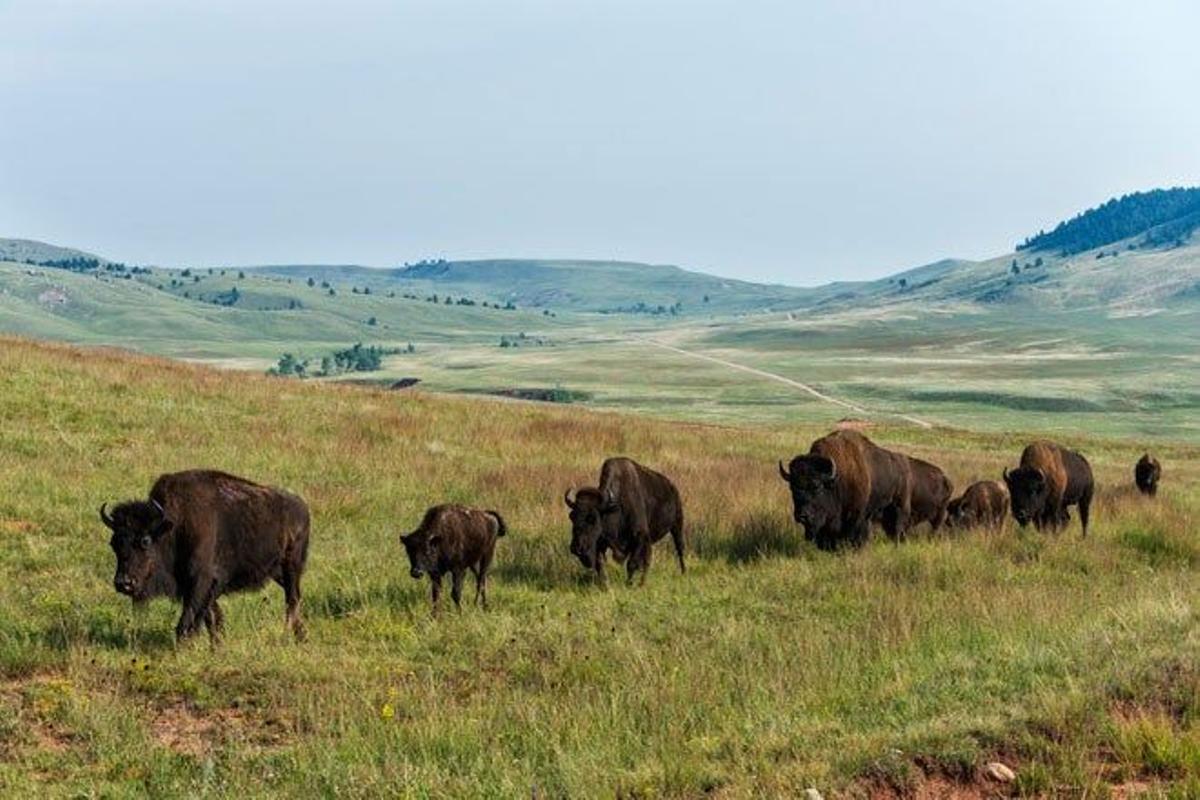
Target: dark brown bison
point(843, 483)
point(929, 494)
point(631, 509)
point(202, 534)
point(1049, 480)
point(454, 539)
point(983, 503)
point(1147, 474)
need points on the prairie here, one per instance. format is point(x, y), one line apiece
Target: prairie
point(766, 669)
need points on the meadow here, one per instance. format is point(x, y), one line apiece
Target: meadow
point(766, 669)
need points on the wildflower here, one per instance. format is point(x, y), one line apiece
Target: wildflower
point(387, 711)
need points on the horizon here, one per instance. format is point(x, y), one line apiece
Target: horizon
point(797, 146)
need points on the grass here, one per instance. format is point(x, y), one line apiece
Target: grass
point(767, 668)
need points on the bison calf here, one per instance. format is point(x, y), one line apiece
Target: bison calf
point(202, 534)
point(1146, 474)
point(1049, 480)
point(983, 503)
point(453, 538)
point(631, 509)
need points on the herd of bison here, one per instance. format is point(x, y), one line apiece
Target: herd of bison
point(202, 533)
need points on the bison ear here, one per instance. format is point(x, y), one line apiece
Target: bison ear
point(162, 529)
point(827, 466)
point(1041, 476)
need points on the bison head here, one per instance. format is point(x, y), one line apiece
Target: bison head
point(137, 527)
point(590, 511)
point(1027, 489)
point(813, 481)
point(422, 549)
point(957, 514)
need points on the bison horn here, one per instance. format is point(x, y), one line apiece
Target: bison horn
point(783, 473)
point(1006, 474)
point(567, 498)
point(104, 517)
point(162, 512)
point(832, 469)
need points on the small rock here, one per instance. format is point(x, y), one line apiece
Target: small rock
point(1001, 773)
point(812, 794)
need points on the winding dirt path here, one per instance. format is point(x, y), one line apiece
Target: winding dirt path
point(804, 387)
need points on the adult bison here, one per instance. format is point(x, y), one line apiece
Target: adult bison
point(983, 503)
point(845, 481)
point(453, 538)
point(929, 494)
point(631, 509)
point(1146, 474)
point(1049, 480)
point(202, 534)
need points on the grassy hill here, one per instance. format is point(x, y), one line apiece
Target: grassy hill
point(599, 286)
point(28, 250)
point(168, 312)
point(766, 669)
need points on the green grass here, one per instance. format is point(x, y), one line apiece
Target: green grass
point(767, 668)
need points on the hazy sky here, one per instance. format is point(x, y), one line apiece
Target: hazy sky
point(792, 141)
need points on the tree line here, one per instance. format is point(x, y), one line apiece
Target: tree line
point(1120, 218)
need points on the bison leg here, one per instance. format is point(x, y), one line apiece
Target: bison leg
point(678, 540)
point(203, 593)
point(435, 588)
point(639, 559)
point(895, 523)
point(481, 576)
point(1085, 509)
point(598, 566)
point(860, 533)
point(214, 621)
point(456, 584)
point(289, 579)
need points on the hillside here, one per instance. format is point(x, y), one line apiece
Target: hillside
point(597, 286)
point(1155, 218)
point(27, 250)
point(768, 667)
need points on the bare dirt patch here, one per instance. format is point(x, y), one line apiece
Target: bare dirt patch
point(189, 731)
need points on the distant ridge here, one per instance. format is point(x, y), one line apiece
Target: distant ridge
point(1162, 216)
point(29, 250)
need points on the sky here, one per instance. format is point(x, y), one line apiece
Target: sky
point(794, 142)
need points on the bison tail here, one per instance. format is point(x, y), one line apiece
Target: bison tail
point(502, 528)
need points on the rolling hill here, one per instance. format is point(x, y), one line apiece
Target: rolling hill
point(1104, 337)
point(595, 286)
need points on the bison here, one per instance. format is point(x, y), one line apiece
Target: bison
point(983, 503)
point(929, 494)
point(453, 538)
point(1049, 480)
point(202, 534)
point(842, 483)
point(1146, 475)
point(631, 509)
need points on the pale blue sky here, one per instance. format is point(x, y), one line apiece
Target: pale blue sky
point(793, 141)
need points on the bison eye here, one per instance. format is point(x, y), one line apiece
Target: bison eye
point(145, 542)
